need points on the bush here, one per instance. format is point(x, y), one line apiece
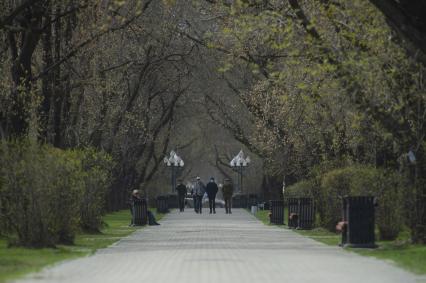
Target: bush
point(97, 177)
point(328, 188)
point(390, 212)
point(300, 189)
point(46, 193)
point(364, 180)
point(353, 180)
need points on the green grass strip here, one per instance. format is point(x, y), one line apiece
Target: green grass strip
point(16, 262)
point(401, 252)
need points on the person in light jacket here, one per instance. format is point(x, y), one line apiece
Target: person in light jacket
point(199, 191)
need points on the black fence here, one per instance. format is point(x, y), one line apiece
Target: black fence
point(301, 213)
point(277, 212)
point(162, 204)
point(358, 219)
point(293, 212)
point(140, 212)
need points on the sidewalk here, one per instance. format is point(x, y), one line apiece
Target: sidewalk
point(235, 248)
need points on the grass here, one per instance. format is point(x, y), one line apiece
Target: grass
point(322, 235)
point(263, 215)
point(401, 252)
point(16, 262)
point(408, 256)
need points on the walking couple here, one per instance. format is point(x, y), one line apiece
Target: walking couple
point(198, 192)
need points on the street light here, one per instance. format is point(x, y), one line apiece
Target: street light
point(174, 162)
point(238, 163)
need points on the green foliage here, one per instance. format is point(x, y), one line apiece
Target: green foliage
point(47, 193)
point(97, 177)
point(17, 261)
point(303, 188)
point(342, 182)
point(357, 180)
point(409, 256)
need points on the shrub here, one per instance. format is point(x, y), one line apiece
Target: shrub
point(47, 193)
point(353, 180)
point(300, 189)
point(364, 180)
point(390, 212)
point(38, 195)
point(97, 177)
point(328, 188)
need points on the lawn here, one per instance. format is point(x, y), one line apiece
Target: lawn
point(15, 262)
point(408, 256)
point(401, 252)
point(263, 215)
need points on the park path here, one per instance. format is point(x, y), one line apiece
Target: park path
point(221, 248)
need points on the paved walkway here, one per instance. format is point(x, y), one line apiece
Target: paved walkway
point(221, 248)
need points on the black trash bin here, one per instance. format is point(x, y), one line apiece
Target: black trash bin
point(252, 200)
point(301, 213)
point(162, 204)
point(293, 210)
point(173, 201)
point(239, 201)
point(277, 212)
point(358, 218)
point(306, 213)
point(140, 212)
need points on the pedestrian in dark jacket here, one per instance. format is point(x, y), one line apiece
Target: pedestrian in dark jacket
point(181, 191)
point(227, 191)
point(211, 190)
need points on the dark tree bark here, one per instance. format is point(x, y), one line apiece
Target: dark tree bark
point(408, 19)
point(22, 44)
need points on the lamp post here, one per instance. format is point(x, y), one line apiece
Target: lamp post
point(238, 163)
point(174, 162)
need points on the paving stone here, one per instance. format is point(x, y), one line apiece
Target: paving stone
point(189, 248)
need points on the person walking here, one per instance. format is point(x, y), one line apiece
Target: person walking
point(181, 191)
point(227, 191)
point(199, 190)
point(211, 190)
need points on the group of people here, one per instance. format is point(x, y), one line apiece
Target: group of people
point(197, 192)
point(211, 189)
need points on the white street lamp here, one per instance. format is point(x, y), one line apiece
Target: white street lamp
point(238, 163)
point(174, 162)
